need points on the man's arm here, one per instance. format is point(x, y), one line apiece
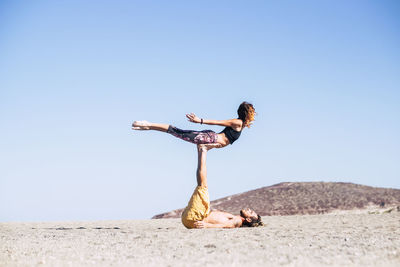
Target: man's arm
point(202, 224)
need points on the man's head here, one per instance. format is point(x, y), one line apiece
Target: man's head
point(251, 218)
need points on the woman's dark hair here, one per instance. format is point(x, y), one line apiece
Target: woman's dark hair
point(246, 113)
point(253, 223)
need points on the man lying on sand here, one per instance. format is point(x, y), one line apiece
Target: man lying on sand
point(197, 214)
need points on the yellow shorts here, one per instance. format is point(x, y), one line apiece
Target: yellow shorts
point(198, 207)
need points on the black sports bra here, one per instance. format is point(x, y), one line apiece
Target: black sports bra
point(231, 134)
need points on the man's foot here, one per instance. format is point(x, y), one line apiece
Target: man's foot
point(201, 148)
point(206, 147)
point(141, 125)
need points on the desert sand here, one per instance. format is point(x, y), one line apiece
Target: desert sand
point(352, 239)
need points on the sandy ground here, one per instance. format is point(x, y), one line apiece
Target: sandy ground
point(307, 240)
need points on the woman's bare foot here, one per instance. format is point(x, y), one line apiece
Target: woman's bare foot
point(141, 125)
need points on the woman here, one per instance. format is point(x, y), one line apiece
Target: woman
point(232, 131)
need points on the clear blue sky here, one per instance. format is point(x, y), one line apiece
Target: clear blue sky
point(324, 77)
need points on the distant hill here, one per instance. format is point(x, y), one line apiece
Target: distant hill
point(303, 198)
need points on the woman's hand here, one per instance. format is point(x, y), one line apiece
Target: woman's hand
point(193, 118)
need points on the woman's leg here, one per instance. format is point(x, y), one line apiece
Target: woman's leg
point(196, 137)
point(145, 125)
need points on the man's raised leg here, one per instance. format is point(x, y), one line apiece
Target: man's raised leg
point(201, 166)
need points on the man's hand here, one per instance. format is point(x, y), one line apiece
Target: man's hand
point(193, 118)
point(200, 224)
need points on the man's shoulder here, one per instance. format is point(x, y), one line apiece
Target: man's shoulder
point(237, 221)
point(234, 222)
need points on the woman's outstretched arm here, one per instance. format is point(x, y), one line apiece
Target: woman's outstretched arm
point(234, 123)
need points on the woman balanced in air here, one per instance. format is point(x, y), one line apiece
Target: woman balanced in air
point(232, 131)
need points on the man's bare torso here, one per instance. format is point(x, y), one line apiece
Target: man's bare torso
point(225, 218)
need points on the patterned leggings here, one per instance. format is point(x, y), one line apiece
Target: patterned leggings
point(196, 137)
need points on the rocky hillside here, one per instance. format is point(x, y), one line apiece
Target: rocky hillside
point(304, 198)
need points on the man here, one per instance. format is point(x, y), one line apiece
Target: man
point(198, 215)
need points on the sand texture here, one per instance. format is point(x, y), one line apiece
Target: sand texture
point(298, 240)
